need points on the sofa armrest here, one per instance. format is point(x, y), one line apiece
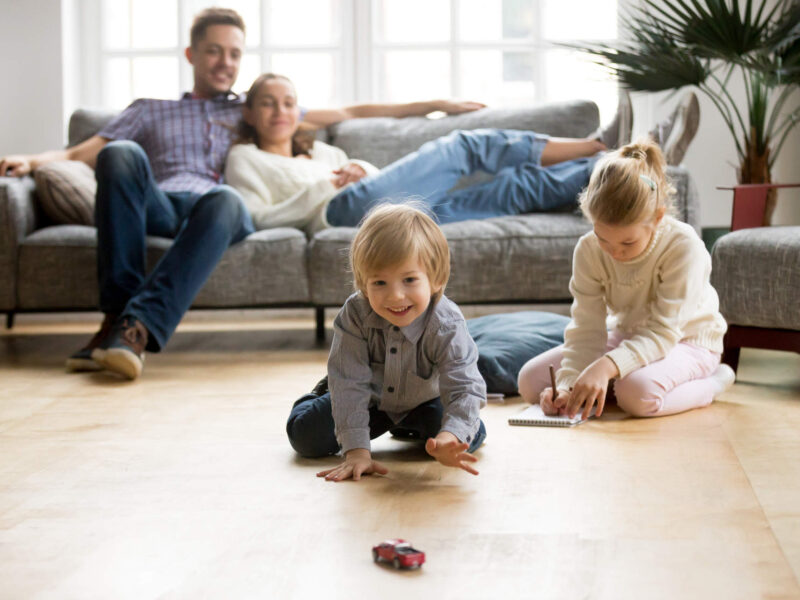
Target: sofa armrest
point(686, 200)
point(17, 220)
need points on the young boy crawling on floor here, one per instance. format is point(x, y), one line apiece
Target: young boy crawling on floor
point(402, 359)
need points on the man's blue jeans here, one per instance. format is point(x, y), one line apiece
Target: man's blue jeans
point(521, 185)
point(131, 206)
point(311, 428)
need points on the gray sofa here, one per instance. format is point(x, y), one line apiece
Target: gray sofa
point(523, 259)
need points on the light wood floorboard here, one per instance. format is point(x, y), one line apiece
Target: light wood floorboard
point(183, 485)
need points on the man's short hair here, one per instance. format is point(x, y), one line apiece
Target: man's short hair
point(392, 233)
point(213, 16)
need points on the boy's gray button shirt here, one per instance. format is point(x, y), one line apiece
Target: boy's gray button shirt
point(396, 369)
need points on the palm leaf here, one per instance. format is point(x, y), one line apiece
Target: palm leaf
point(652, 71)
point(670, 44)
point(652, 61)
point(757, 113)
point(713, 28)
point(783, 42)
point(779, 60)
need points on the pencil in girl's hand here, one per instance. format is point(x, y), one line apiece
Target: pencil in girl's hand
point(553, 381)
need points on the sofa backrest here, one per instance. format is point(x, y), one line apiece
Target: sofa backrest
point(85, 122)
point(384, 140)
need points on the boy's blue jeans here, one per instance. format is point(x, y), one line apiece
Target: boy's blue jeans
point(311, 429)
point(521, 185)
point(131, 206)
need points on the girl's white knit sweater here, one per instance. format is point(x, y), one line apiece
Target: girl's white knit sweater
point(657, 300)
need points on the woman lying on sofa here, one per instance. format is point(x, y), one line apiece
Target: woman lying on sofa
point(289, 181)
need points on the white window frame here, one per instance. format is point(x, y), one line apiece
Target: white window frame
point(93, 53)
point(357, 57)
point(374, 49)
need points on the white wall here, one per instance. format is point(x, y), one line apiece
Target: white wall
point(31, 102)
point(787, 170)
point(41, 89)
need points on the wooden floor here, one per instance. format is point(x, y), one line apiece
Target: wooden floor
point(183, 485)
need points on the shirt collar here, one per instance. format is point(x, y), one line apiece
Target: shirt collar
point(228, 96)
point(412, 332)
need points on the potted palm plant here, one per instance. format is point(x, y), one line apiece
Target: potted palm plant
point(706, 44)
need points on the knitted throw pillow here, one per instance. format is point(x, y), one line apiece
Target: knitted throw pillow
point(66, 191)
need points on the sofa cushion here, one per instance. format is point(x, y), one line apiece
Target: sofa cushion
point(507, 341)
point(57, 269)
point(66, 190)
point(756, 273)
point(526, 258)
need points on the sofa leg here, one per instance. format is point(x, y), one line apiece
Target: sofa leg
point(730, 356)
point(10, 319)
point(320, 314)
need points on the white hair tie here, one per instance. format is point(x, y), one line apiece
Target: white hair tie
point(648, 181)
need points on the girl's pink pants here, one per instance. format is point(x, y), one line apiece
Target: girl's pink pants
point(680, 381)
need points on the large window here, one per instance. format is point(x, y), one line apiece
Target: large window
point(501, 52)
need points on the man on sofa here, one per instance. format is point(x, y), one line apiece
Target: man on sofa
point(159, 168)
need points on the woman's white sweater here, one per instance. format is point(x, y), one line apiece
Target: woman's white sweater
point(657, 300)
point(282, 191)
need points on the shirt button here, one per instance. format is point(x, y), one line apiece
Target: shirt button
point(393, 350)
point(469, 438)
point(390, 389)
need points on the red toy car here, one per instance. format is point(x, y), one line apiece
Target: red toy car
point(398, 552)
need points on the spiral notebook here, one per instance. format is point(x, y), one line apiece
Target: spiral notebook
point(534, 415)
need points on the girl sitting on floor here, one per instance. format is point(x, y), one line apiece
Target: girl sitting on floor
point(650, 274)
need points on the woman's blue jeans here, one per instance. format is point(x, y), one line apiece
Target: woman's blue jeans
point(311, 428)
point(521, 185)
point(130, 206)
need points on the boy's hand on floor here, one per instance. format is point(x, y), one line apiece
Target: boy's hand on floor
point(357, 462)
point(446, 448)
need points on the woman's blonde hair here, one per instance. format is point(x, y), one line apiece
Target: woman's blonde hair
point(392, 233)
point(628, 186)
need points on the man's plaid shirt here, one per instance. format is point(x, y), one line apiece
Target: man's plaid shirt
point(186, 140)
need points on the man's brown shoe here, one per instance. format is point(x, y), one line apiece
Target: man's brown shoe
point(82, 359)
point(123, 351)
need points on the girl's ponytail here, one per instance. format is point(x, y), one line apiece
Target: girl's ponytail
point(628, 186)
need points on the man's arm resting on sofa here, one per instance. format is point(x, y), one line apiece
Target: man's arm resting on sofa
point(326, 117)
point(21, 164)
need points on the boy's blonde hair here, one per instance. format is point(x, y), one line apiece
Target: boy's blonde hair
point(392, 233)
point(628, 186)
